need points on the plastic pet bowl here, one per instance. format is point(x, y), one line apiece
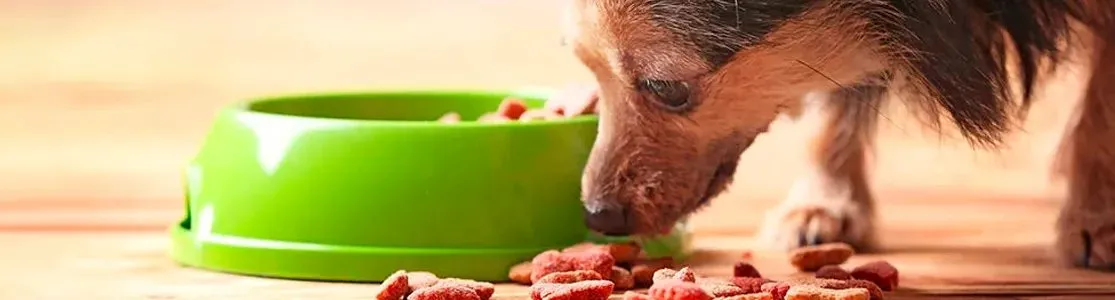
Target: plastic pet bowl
point(352, 187)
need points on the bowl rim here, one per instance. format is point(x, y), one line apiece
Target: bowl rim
point(243, 108)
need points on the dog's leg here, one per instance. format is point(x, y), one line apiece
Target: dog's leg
point(833, 201)
point(1086, 226)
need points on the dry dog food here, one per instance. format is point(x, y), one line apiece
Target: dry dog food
point(670, 285)
point(808, 292)
point(879, 272)
point(588, 271)
point(598, 261)
point(621, 252)
point(622, 278)
point(644, 271)
point(625, 252)
point(418, 280)
point(777, 290)
point(445, 292)
point(750, 284)
point(539, 114)
point(483, 289)
point(395, 287)
point(677, 290)
point(685, 284)
point(584, 290)
point(520, 273)
point(873, 291)
point(718, 289)
point(427, 286)
point(512, 109)
point(685, 274)
point(553, 261)
point(548, 262)
point(599, 258)
point(814, 257)
point(753, 296)
point(745, 269)
point(570, 277)
point(664, 274)
point(833, 272)
point(450, 118)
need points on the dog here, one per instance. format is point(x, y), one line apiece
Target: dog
point(685, 86)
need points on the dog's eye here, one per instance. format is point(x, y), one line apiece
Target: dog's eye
point(673, 95)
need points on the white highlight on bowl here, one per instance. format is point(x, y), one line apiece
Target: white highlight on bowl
point(274, 136)
point(204, 230)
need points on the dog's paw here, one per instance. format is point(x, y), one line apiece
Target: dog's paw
point(1086, 237)
point(811, 216)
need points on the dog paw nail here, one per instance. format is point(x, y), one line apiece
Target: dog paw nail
point(803, 239)
point(1086, 256)
point(817, 240)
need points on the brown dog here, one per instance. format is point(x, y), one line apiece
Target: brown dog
point(686, 85)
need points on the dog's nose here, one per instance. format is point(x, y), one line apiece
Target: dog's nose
point(608, 219)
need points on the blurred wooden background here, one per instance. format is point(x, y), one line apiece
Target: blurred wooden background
point(103, 102)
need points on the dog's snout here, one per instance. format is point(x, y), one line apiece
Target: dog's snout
point(608, 219)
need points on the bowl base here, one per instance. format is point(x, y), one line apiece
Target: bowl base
point(317, 262)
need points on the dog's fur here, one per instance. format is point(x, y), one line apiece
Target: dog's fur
point(686, 85)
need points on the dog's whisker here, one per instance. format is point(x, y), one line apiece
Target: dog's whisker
point(841, 86)
point(738, 24)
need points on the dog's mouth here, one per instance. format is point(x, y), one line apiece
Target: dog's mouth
point(716, 184)
point(722, 175)
point(719, 181)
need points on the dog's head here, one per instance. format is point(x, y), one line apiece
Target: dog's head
point(686, 86)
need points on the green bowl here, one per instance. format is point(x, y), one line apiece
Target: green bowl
point(351, 187)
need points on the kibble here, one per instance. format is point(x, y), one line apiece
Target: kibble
point(419, 280)
point(483, 289)
point(745, 269)
point(754, 296)
point(548, 262)
point(814, 257)
point(808, 292)
point(395, 287)
point(750, 284)
point(446, 292)
point(677, 290)
point(450, 118)
point(776, 289)
point(833, 272)
point(685, 274)
point(664, 274)
point(644, 271)
point(880, 272)
point(520, 273)
point(721, 289)
point(570, 277)
point(584, 290)
point(622, 278)
point(512, 108)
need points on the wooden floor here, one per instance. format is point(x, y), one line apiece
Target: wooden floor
point(102, 103)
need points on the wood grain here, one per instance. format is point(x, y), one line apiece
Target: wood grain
point(103, 102)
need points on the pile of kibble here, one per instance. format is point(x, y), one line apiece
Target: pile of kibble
point(595, 272)
point(514, 109)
